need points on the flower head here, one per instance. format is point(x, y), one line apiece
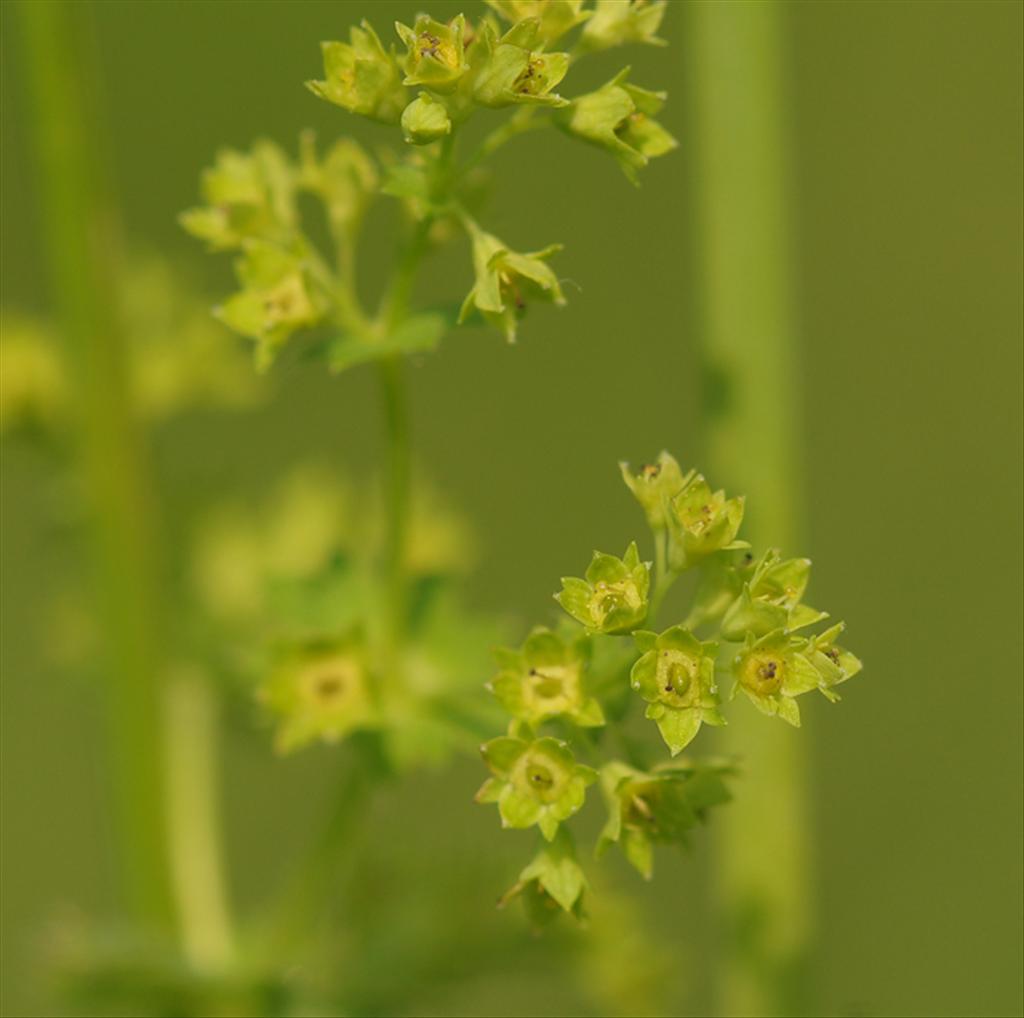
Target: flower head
point(613, 596)
point(676, 676)
point(248, 195)
point(319, 691)
point(619, 117)
point(771, 598)
point(655, 486)
point(659, 806)
point(702, 521)
point(435, 53)
point(535, 782)
point(545, 679)
point(506, 281)
point(361, 76)
point(508, 72)
point(772, 671)
point(277, 297)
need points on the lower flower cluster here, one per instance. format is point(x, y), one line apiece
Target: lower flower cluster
point(569, 690)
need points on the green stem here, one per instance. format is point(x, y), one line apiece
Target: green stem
point(82, 246)
point(763, 882)
point(190, 753)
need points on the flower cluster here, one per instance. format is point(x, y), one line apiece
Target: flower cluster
point(570, 681)
point(427, 82)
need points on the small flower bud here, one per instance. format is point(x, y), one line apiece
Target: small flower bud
point(613, 597)
point(424, 120)
point(361, 77)
point(676, 676)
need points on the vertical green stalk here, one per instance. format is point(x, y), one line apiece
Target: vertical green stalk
point(752, 433)
point(82, 249)
point(190, 747)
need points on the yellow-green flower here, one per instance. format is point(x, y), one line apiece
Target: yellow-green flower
point(507, 281)
point(361, 77)
point(676, 676)
point(535, 782)
point(619, 117)
point(613, 596)
point(618, 22)
point(655, 486)
point(545, 679)
point(435, 53)
point(700, 522)
point(319, 691)
point(553, 17)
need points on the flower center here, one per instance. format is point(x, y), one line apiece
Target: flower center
point(763, 674)
point(678, 678)
point(611, 597)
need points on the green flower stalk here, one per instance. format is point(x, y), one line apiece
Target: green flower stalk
point(618, 22)
point(676, 676)
point(361, 77)
point(613, 596)
point(657, 807)
point(619, 117)
point(545, 679)
point(701, 522)
point(435, 53)
point(507, 282)
point(554, 18)
point(319, 691)
point(771, 599)
point(535, 782)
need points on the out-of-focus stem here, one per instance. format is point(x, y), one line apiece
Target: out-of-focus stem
point(82, 249)
point(763, 882)
point(190, 751)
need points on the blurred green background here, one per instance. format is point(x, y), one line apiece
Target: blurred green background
point(906, 149)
